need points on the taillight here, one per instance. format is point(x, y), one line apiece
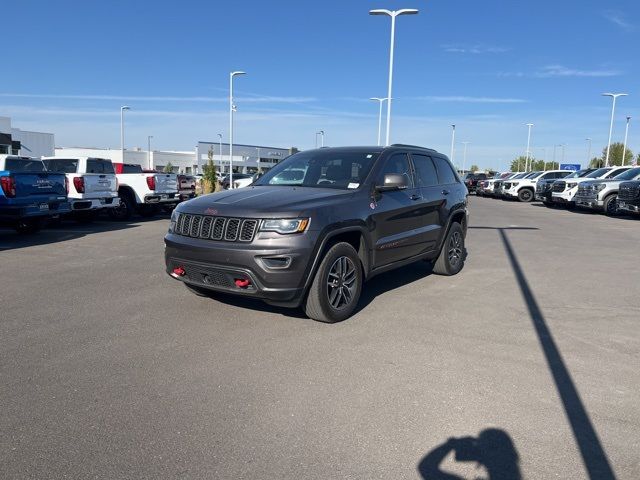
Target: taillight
point(8, 186)
point(78, 182)
point(151, 182)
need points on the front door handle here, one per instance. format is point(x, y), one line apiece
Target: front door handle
point(415, 196)
point(445, 192)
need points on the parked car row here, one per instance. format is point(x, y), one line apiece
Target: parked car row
point(34, 191)
point(610, 190)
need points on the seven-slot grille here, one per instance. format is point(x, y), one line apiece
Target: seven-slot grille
point(559, 186)
point(629, 191)
point(216, 228)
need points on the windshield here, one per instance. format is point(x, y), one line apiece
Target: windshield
point(535, 174)
point(578, 173)
point(322, 169)
point(24, 165)
point(520, 175)
point(615, 172)
point(598, 173)
point(629, 174)
point(61, 165)
point(530, 174)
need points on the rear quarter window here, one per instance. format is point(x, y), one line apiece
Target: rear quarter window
point(446, 175)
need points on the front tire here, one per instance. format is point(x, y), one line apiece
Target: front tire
point(452, 255)
point(335, 291)
point(610, 206)
point(525, 195)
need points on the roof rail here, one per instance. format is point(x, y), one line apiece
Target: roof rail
point(412, 146)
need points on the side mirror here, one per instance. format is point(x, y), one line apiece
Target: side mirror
point(393, 181)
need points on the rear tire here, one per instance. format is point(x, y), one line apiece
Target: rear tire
point(124, 211)
point(452, 255)
point(335, 291)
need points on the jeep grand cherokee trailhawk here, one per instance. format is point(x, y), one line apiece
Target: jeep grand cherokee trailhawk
point(316, 226)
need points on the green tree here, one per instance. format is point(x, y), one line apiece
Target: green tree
point(168, 168)
point(474, 168)
point(615, 156)
point(209, 173)
point(518, 163)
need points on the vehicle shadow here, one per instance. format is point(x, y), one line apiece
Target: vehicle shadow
point(492, 450)
point(68, 230)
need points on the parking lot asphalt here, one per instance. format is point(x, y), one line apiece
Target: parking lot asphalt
point(111, 369)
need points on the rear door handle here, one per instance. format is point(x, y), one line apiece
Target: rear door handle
point(445, 192)
point(415, 196)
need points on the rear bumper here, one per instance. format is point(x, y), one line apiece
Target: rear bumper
point(84, 204)
point(34, 210)
point(161, 198)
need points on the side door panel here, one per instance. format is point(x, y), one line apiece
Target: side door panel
point(396, 216)
point(433, 201)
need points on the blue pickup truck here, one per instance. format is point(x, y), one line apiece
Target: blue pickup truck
point(29, 195)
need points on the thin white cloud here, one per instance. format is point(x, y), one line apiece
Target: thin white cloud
point(474, 49)
point(619, 19)
point(134, 98)
point(562, 71)
point(465, 99)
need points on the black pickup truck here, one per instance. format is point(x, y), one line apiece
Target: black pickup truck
point(471, 180)
point(629, 197)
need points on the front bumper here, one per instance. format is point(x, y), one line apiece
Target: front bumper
point(590, 201)
point(563, 197)
point(629, 206)
point(543, 196)
point(84, 204)
point(216, 265)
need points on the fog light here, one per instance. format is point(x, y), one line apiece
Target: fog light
point(242, 282)
point(179, 271)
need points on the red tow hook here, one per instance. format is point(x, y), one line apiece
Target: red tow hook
point(179, 271)
point(242, 282)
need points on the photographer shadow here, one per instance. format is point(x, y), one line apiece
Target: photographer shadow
point(493, 450)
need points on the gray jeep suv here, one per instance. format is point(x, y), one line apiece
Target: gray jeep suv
point(316, 226)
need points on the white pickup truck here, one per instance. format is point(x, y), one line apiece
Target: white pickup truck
point(92, 184)
point(142, 191)
point(564, 191)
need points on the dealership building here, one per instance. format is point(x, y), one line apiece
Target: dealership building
point(15, 141)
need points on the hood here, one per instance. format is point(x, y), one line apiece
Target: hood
point(265, 201)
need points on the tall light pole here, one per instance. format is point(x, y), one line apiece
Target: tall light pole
point(122, 109)
point(626, 136)
point(588, 139)
point(149, 137)
point(563, 145)
point(453, 142)
point(554, 156)
point(614, 96)
point(464, 156)
point(220, 142)
point(321, 133)
point(232, 108)
point(544, 161)
point(380, 102)
point(393, 14)
point(526, 162)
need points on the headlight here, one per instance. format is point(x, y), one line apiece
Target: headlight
point(599, 187)
point(174, 219)
point(285, 225)
point(571, 185)
point(515, 184)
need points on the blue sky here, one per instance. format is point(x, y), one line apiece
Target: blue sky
point(489, 67)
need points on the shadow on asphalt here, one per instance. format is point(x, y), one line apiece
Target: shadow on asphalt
point(593, 455)
point(493, 449)
point(68, 230)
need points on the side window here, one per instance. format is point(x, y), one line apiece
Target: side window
point(551, 175)
point(445, 172)
point(426, 175)
point(397, 163)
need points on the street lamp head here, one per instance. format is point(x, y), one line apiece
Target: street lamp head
point(380, 11)
point(238, 72)
point(393, 13)
point(615, 95)
point(529, 124)
point(378, 99)
point(125, 107)
point(407, 11)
